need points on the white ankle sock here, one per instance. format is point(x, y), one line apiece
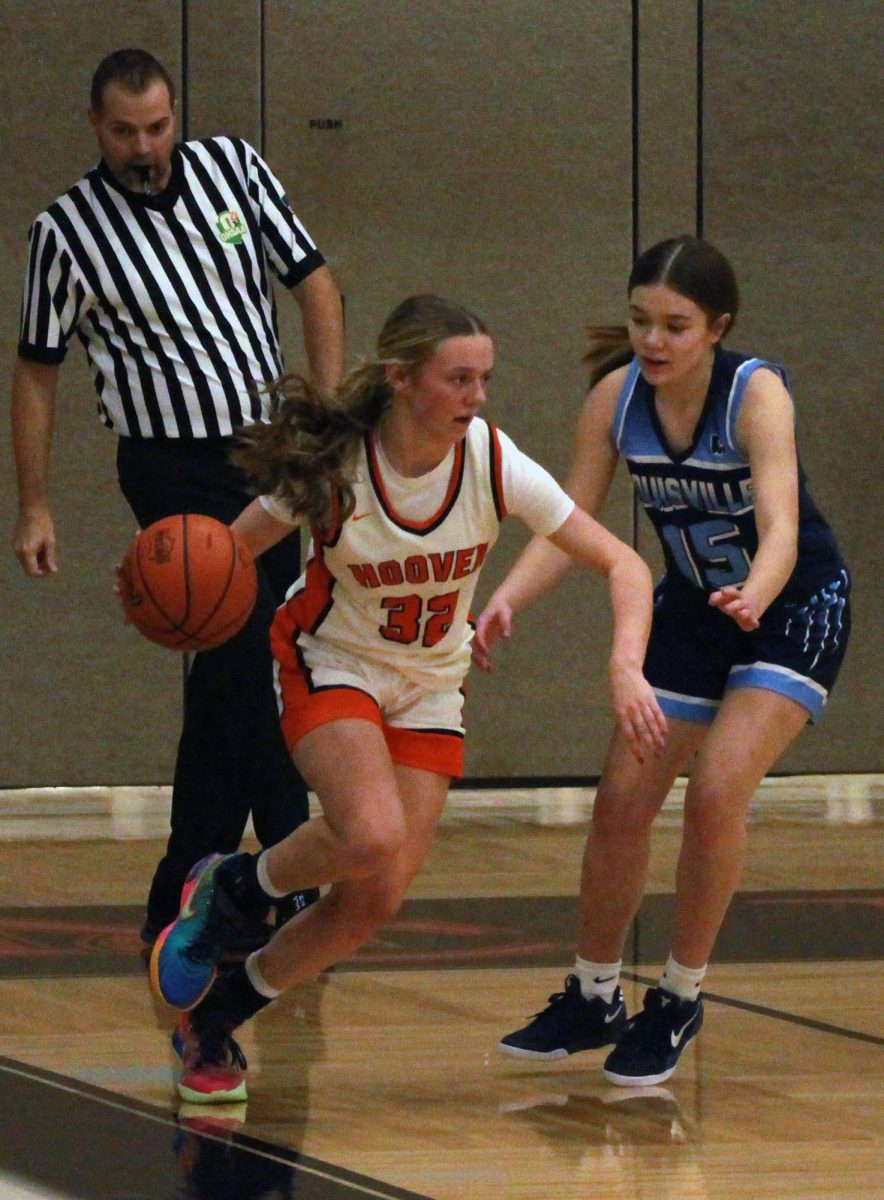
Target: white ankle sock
point(257, 980)
point(597, 979)
point(683, 982)
point(264, 879)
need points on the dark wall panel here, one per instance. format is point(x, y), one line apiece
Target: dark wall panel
point(666, 133)
point(791, 184)
point(665, 148)
point(224, 69)
point(87, 701)
point(484, 152)
point(489, 152)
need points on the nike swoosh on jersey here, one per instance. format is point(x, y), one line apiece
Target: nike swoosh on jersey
point(360, 516)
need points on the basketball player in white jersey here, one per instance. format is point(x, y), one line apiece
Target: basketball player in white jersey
point(404, 487)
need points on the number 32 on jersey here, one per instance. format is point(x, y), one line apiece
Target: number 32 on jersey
point(411, 619)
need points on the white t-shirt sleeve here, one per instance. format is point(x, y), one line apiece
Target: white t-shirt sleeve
point(530, 492)
point(279, 510)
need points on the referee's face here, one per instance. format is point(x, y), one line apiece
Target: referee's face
point(136, 133)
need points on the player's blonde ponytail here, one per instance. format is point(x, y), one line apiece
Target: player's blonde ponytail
point(305, 452)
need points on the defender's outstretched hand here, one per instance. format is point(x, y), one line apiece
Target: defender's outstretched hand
point(638, 713)
point(738, 605)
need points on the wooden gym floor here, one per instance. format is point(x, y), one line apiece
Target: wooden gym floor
point(382, 1078)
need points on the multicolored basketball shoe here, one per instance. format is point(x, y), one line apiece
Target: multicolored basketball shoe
point(184, 959)
point(213, 1065)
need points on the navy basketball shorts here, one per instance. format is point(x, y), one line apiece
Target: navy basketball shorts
point(696, 653)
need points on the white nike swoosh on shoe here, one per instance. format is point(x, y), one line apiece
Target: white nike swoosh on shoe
point(609, 1017)
point(675, 1038)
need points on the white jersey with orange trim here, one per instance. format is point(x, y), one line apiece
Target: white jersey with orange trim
point(394, 583)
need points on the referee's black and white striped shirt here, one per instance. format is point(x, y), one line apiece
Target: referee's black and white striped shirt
point(171, 294)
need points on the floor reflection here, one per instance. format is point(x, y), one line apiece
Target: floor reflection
point(214, 1167)
point(612, 1116)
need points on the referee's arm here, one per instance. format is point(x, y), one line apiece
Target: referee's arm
point(322, 317)
point(34, 387)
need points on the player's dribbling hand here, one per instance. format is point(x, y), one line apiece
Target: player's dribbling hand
point(737, 605)
point(495, 622)
point(639, 716)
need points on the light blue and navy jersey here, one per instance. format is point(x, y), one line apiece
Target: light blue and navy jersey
point(700, 501)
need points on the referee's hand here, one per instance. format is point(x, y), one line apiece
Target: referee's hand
point(33, 541)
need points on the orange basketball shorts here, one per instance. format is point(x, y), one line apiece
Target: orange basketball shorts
point(317, 685)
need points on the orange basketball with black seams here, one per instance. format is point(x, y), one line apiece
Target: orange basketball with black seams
point(188, 582)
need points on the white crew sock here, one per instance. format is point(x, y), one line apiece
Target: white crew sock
point(597, 979)
point(257, 980)
point(264, 881)
point(683, 982)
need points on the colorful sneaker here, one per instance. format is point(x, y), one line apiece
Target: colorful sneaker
point(213, 1065)
point(150, 930)
point(649, 1049)
point(569, 1023)
point(184, 959)
point(200, 1118)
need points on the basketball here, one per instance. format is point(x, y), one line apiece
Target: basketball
point(188, 582)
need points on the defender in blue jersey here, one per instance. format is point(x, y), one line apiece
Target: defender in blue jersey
point(750, 626)
point(700, 501)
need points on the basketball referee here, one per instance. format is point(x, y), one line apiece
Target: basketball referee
point(160, 261)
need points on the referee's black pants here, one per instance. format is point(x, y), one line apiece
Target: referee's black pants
point(232, 759)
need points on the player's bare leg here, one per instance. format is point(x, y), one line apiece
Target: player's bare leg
point(591, 1010)
point(362, 825)
point(751, 732)
point(352, 910)
point(615, 860)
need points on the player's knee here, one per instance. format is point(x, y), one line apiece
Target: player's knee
point(617, 816)
point(370, 846)
point(713, 817)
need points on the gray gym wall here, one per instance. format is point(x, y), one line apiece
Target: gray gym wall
point(509, 153)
